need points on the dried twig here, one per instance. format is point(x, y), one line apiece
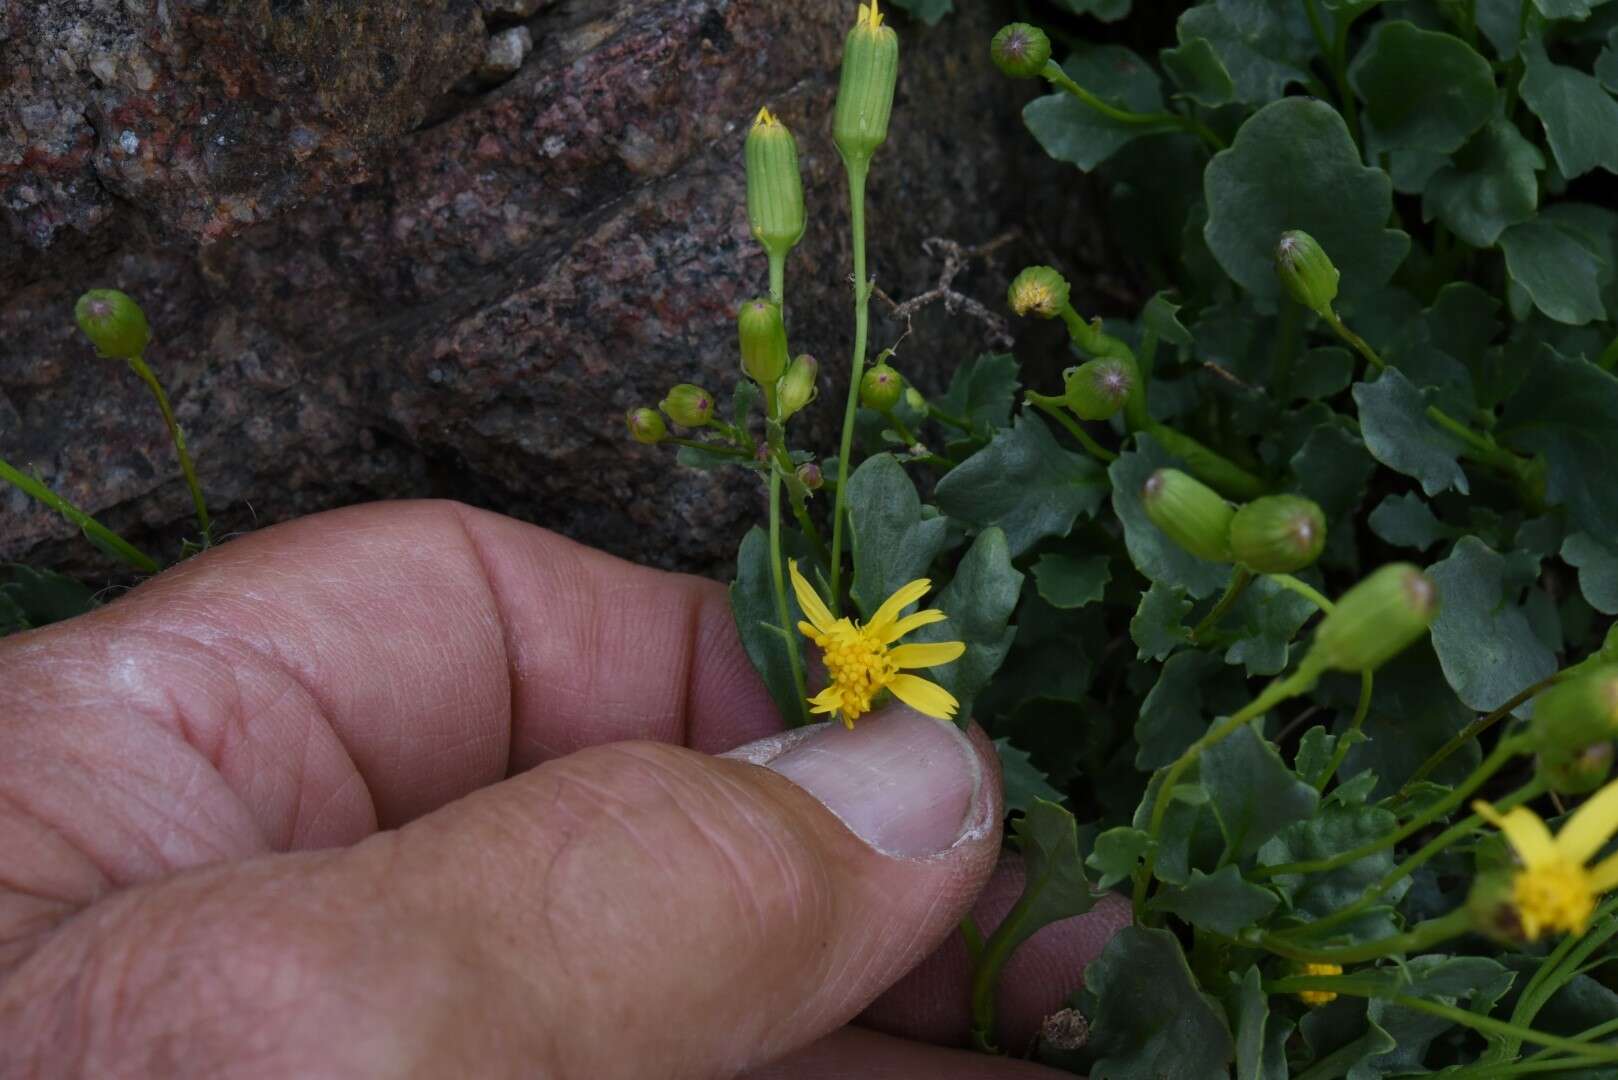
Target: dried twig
point(956, 257)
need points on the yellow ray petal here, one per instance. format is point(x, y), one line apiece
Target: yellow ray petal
point(1591, 825)
point(914, 621)
point(931, 655)
point(923, 696)
point(902, 598)
point(813, 606)
point(1527, 833)
point(1604, 874)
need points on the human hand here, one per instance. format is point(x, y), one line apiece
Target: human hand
point(354, 795)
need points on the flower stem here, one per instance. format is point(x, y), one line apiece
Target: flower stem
point(862, 311)
point(1418, 938)
point(1240, 579)
point(1303, 589)
point(778, 272)
point(1057, 77)
point(97, 532)
point(782, 613)
point(1097, 451)
point(708, 447)
point(1472, 731)
point(1508, 749)
point(1278, 691)
point(138, 365)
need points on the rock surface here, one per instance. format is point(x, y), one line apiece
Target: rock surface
point(369, 276)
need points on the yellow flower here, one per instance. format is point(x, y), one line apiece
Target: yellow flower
point(1553, 890)
point(1318, 997)
point(863, 661)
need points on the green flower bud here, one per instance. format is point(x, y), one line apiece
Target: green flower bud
point(113, 322)
point(774, 186)
point(1277, 534)
point(881, 388)
point(1492, 904)
point(1038, 290)
point(1020, 50)
point(797, 387)
point(1578, 711)
point(645, 426)
point(1097, 389)
point(1190, 513)
point(688, 405)
point(1377, 619)
point(1305, 271)
point(809, 476)
point(1575, 772)
point(865, 92)
point(763, 342)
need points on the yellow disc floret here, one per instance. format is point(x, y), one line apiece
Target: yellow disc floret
point(863, 661)
point(1553, 889)
point(1318, 997)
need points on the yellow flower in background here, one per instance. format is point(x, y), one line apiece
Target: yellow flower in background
point(1553, 890)
point(1314, 998)
point(863, 661)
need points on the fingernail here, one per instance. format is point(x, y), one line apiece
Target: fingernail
point(906, 784)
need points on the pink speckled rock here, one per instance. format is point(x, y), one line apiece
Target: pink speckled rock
point(369, 276)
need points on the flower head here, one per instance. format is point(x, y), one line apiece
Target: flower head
point(1314, 998)
point(1553, 890)
point(863, 661)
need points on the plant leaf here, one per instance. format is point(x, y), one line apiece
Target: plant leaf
point(1148, 1020)
point(894, 541)
point(1485, 643)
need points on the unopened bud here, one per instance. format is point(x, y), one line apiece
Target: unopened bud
point(1575, 772)
point(1376, 619)
point(1306, 272)
point(1020, 50)
point(810, 477)
point(763, 342)
point(1097, 389)
point(645, 426)
point(865, 91)
point(881, 388)
point(915, 400)
point(1579, 710)
point(113, 322)
point(774, 185)
point(798, 387)
point(1039, 291)
point(1492, 905)
point(1278, 534)
point(688, 405)
point(1190, 513)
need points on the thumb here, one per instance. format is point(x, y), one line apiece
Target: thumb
point(632, 909)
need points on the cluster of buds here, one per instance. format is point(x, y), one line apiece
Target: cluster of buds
point(686, 404)
point(1273, 534)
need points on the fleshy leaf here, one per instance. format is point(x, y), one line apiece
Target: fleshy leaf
point(752, 604)
point(979, 601)
point(1422, 88)
point(1252, 792)
point(1580, 117)
point(1294, 166)
point(1023, 780)
point(1072, 131)
point(1263, 45)
point(982, 391)
point(1485, 643)
point(1559, 273)
point(1158, 626)
point(1222, 901)
point(1393, 420)
point(1597, 563)
point(1491, 184)
point(1568, 410)
point(1117, 852)
point(1068, 582)
point(1025, 483)
point(1148, 1020)
point(894, 541)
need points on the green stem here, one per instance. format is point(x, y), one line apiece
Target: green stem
point(1303, 589)
point(800, 513)
point(1346, 741)
point(1472, 731)
point(1375, 892)
point(1508, 749)
point(138, 365)
point(1278, 691)
point(782, 612)
point(1360, 345)
point(1559, 967)
point(778, 274)
point(1043, 403)
point(1418, 938)
point(949, 418)
point(899, 427)
point(862, 304)
point(1240, 579)
point(92, 528)
point(1609, 356)
point(1057, 77)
